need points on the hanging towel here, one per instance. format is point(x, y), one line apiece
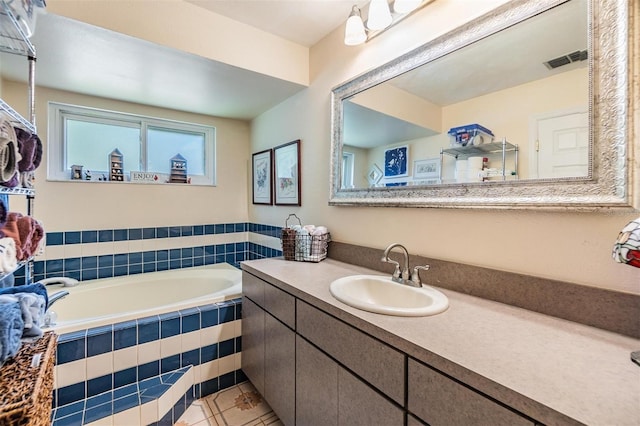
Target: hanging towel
point(8, 259)
point(11, 329)
point(37, 288)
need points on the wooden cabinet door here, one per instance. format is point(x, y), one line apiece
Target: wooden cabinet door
point(279, 373)
point(253, 343)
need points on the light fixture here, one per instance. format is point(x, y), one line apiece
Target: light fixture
point(354, 32)
point(380, 18)
point(379, 15)
point(405, 6)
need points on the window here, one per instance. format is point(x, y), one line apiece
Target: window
point(86, 136)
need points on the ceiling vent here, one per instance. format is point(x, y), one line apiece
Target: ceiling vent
point(577, 56)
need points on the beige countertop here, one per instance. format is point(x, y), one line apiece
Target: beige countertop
point(553, 370)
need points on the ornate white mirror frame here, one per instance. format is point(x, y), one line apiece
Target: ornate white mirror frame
point(613, 121)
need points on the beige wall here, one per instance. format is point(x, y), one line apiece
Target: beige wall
point(568, 246)
point(64, 206)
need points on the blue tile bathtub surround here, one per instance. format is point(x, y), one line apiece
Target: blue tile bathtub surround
point(123, 398)
point(118, 264)
point(82, 344)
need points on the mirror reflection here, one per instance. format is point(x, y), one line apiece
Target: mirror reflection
point(512, 106)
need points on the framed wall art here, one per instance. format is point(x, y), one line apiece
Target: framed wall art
point(395, 161)
point(374, 175)
point(287, 174)
point(427, 169)
point(261, 171)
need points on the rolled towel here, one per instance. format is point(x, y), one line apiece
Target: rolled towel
point(37, 288)
point(31, 233)
point(303, 244)
point(320, 230)
point(11, 329)
point(8, 258)
point(4, 211)
point(26, 233)
point(30, 148)
point(8, 151)
point(10, 230)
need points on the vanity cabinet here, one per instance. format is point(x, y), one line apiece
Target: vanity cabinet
point(439, 400)
point(315, 369)
point(268, 344)
point(328, 394)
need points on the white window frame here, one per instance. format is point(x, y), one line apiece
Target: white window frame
point(348, 164)
point(57, 170)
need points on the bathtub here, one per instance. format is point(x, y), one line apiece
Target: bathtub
point(99, 302)
point(123, 333)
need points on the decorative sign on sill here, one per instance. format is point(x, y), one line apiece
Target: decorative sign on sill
point(148, 177)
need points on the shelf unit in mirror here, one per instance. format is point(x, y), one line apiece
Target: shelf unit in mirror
point(490, 149)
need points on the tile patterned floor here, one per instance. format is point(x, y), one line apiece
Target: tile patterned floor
point(239, 405)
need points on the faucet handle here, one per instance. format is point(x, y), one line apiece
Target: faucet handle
point(415, 275)
point(396, 272)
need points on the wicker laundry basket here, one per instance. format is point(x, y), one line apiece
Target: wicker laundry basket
point(26, 384)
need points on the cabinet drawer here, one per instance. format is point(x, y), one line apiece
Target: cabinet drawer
point(438, 400)
point(253, 288)
point(280, 304)
point(375, 362)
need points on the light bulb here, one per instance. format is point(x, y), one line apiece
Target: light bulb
point(354, 32)
point(405, 6)
point(379, 15)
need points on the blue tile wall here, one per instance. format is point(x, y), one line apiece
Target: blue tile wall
point(118, 264)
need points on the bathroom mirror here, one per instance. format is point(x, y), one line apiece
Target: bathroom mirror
point(549, 116)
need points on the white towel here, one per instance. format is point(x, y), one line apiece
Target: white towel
point(320, 230)
point(8, 255)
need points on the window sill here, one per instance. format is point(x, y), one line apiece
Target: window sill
point(128, 182)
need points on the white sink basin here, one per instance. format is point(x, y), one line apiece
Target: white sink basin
point(379, 294)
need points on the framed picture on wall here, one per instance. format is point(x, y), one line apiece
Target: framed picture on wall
point(374, 175)
point(261, 171)
point(287, 174)
point(428, 168)
point(396, 161)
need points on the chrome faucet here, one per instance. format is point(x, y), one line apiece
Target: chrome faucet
point(403, 276)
